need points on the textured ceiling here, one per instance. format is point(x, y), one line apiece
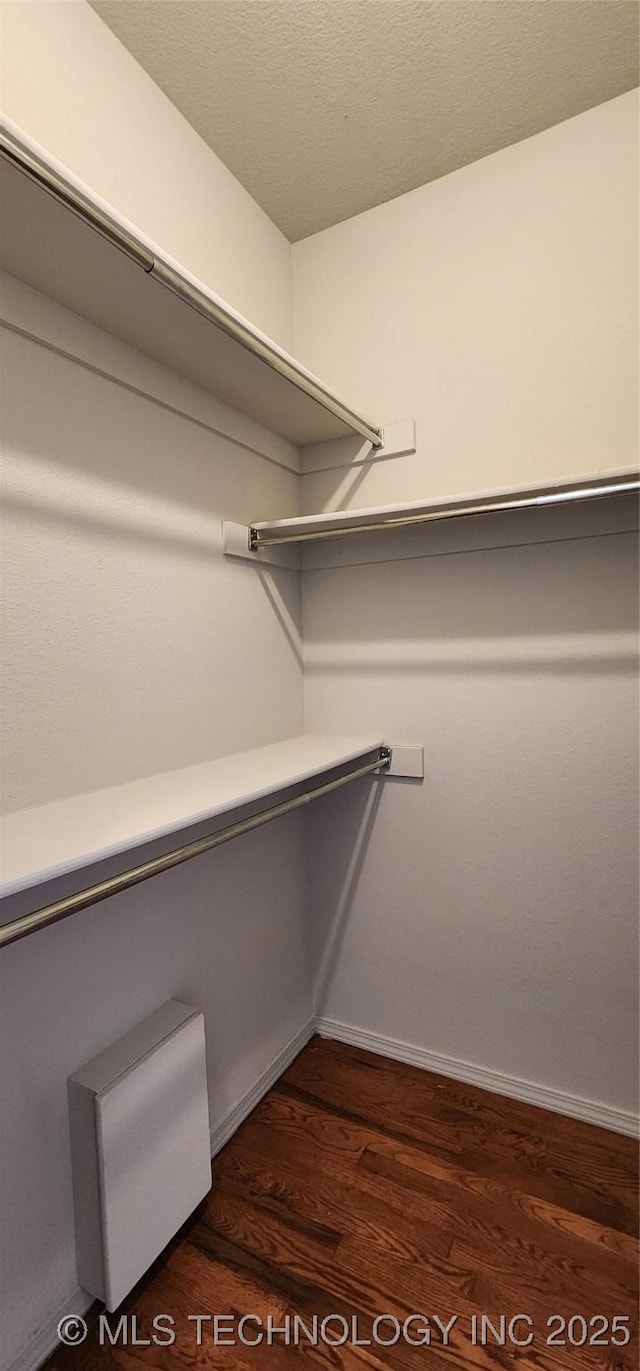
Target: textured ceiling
point(324, 108)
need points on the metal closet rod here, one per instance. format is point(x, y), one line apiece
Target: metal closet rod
point(264, 537)
point(94, 894)
point(103, 223)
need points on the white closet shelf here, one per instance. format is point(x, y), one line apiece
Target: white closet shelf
point(52, 840)
point(381, 518)
point(62, 239)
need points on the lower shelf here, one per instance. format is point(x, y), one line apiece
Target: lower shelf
point(384, 518)
point(52, 840)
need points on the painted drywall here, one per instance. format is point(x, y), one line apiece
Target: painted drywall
point(129, 642)
point(131, 646)
point(69, 83)
point(202, 934)
point(496, 306)
point(488, 914)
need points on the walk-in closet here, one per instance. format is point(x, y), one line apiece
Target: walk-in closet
point(319, 847)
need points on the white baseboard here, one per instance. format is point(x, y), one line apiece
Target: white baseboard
point(604, 1115)
point(45, 1340)
point(226, 1127)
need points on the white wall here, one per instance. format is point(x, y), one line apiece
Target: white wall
point(225, 933)
point(131, 646)
point(488, 915)
point(496, 306)
point(69, 83)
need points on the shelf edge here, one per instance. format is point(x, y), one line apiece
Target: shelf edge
point(314, 527)
point(29, 158)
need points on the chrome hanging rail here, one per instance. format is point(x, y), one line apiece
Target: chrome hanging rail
point(50, 180)
point(338, 525)
point(72, 904)
point(98, 218)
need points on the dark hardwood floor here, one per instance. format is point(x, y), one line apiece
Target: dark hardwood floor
point(360, 1187)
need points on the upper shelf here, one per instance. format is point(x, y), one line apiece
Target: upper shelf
point(62, 239)
point(313, 527)
point(42, 843)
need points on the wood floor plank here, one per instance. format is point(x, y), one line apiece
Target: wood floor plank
point(293, 1189)
point(511, 1220)
point(316, 1287)
point(270, 1239)
point(362, 1187)
point(438, 1176)
point(530, 1146)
